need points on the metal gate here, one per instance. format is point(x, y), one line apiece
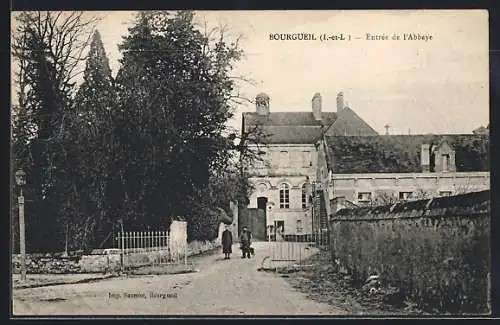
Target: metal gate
point(150, 248)
point(293, 249)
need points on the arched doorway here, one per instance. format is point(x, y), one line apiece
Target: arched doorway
point(262, 203)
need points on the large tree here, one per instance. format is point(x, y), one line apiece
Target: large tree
point(90, 149)
point(47, 49)
point(175, 93)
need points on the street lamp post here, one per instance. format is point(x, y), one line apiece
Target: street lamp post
point(21, 180)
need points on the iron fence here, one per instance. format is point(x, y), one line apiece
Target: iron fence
point(150, 248)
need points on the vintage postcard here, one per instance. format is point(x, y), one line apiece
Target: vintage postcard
point(250, 163)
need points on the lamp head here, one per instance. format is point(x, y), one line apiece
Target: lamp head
point(20, 177)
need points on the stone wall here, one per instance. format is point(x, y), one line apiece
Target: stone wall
point(435, 252)
point(47, 263)
point(100, 263)
point(109, 260)
point(57, 264)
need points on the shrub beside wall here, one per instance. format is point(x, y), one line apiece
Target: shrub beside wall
point(206, 227)
point(436, 252)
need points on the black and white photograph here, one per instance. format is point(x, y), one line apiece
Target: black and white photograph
point(250, 163)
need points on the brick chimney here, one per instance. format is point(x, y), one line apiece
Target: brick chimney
point(425, 159)
point(316, 107)
point(340, 102)
point(262, 104)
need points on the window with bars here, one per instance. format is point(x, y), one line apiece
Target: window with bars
point(284, 196)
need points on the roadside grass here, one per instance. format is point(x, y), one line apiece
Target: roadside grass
point(320, 282)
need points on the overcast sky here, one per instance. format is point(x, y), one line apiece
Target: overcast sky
point(438, 86)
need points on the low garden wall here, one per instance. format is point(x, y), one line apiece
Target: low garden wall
point(47, 263)
point(98, 263)
point(109, 260)
point(436, 252)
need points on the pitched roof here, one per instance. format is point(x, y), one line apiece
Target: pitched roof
point(288, 127)
point(288, 118)
point(349, 123)
point(291, 134)
point(401, 153)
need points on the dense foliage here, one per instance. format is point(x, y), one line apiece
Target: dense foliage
point(47, 47)
point(131, 151)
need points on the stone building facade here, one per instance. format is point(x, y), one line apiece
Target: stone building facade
point(314, 158)
point(402, 167)
point(282, 181)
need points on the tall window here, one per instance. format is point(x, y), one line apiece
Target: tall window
point(446, 162)
point(306, 159)
point(284, 159)
point(304, 196)
point(299, 226)
point(284, 196)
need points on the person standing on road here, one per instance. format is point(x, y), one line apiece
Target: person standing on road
point(227, 243)
point(245, 241)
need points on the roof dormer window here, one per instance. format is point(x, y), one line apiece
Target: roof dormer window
point(444, 157)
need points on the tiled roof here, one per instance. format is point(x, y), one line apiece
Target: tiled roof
point(349, 123)
point(288, 127)
point(401, 153)
point(291, 134)
point(288, 118)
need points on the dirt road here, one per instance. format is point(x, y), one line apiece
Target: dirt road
point(221, 287)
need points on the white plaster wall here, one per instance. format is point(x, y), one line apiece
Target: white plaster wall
point(290, 219)
point(269, 187)
point(294, 165)
point(295, 172)
point(348, 185)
